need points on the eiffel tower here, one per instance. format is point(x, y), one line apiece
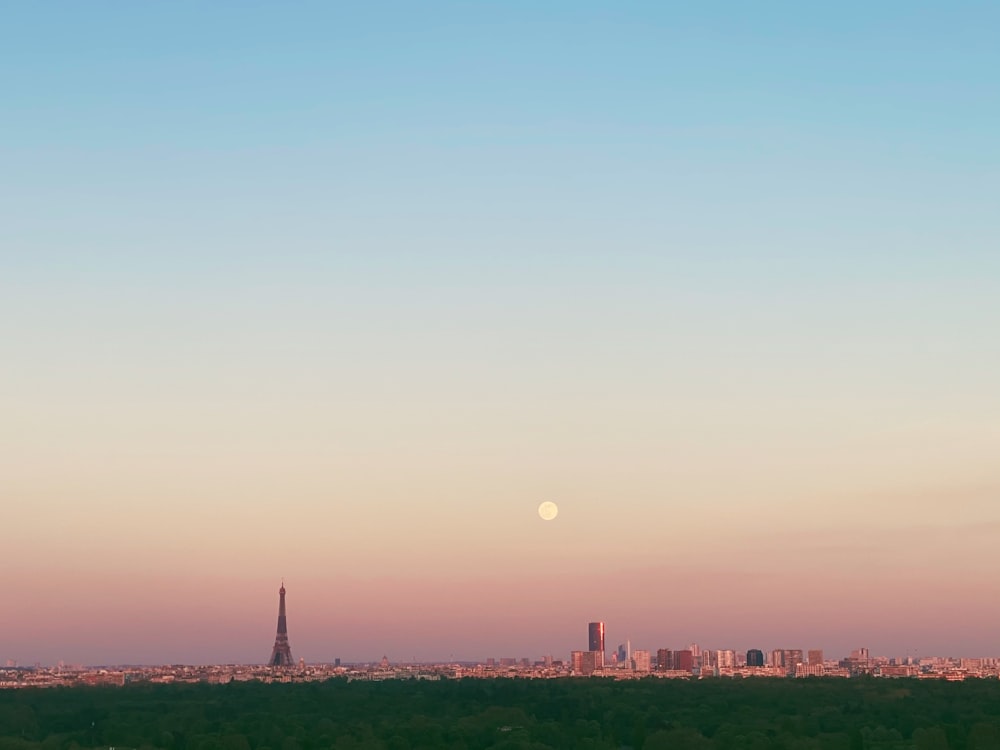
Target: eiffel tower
point(281, 654)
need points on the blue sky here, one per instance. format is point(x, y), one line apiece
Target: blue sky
point(716, 267)
point(562, 128)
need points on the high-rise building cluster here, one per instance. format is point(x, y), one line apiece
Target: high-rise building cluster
point(695, 660)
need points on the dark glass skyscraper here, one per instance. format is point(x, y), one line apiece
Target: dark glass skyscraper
point(755, 658)
point(595, 631)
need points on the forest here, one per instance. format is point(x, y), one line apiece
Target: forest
point(648, 714)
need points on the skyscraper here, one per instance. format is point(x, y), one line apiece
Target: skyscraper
point(640, 660)
point(664, 659)
point(595, 631)
point(755, 658)
point(281, 654)
point(791, 658)
point(684, 660)
point(624, 653)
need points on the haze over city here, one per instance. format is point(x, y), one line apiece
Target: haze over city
point(341, 293)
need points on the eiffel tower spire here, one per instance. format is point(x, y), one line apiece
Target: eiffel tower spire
point(281, 654)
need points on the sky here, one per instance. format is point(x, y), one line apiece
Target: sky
point(339, 293)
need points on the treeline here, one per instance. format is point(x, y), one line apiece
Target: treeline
point(752, 714)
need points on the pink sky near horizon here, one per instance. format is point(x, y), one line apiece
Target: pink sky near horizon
point(504, 595)
point(157, 530)
point(149, 532)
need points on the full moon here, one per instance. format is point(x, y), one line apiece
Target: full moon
point(548, 510)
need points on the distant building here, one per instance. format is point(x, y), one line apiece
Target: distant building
point(576, 661)
point(858, 663)
point(815, 656)
point(793, 657)
point(664, 659)
point(755, 658)
point(787, 658)
point(725, 659)
point(809, 670)
point(595, 633)
point(640, 660)
point(624, 652)
point(590, 662)
point(684, 660)
point(902, 670)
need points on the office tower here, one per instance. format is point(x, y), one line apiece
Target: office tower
point(576, 661)
point(281, 654)
point(792, 657)
point(624, 653)
point(684, 660)
point(640, 660)
point(725, 659)
point(787, 658)
point(755, 658)
point(664, 659)
point(815, 656)
point(595, 633)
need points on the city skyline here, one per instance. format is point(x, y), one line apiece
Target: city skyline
point(345, 293)
point(595, 641)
